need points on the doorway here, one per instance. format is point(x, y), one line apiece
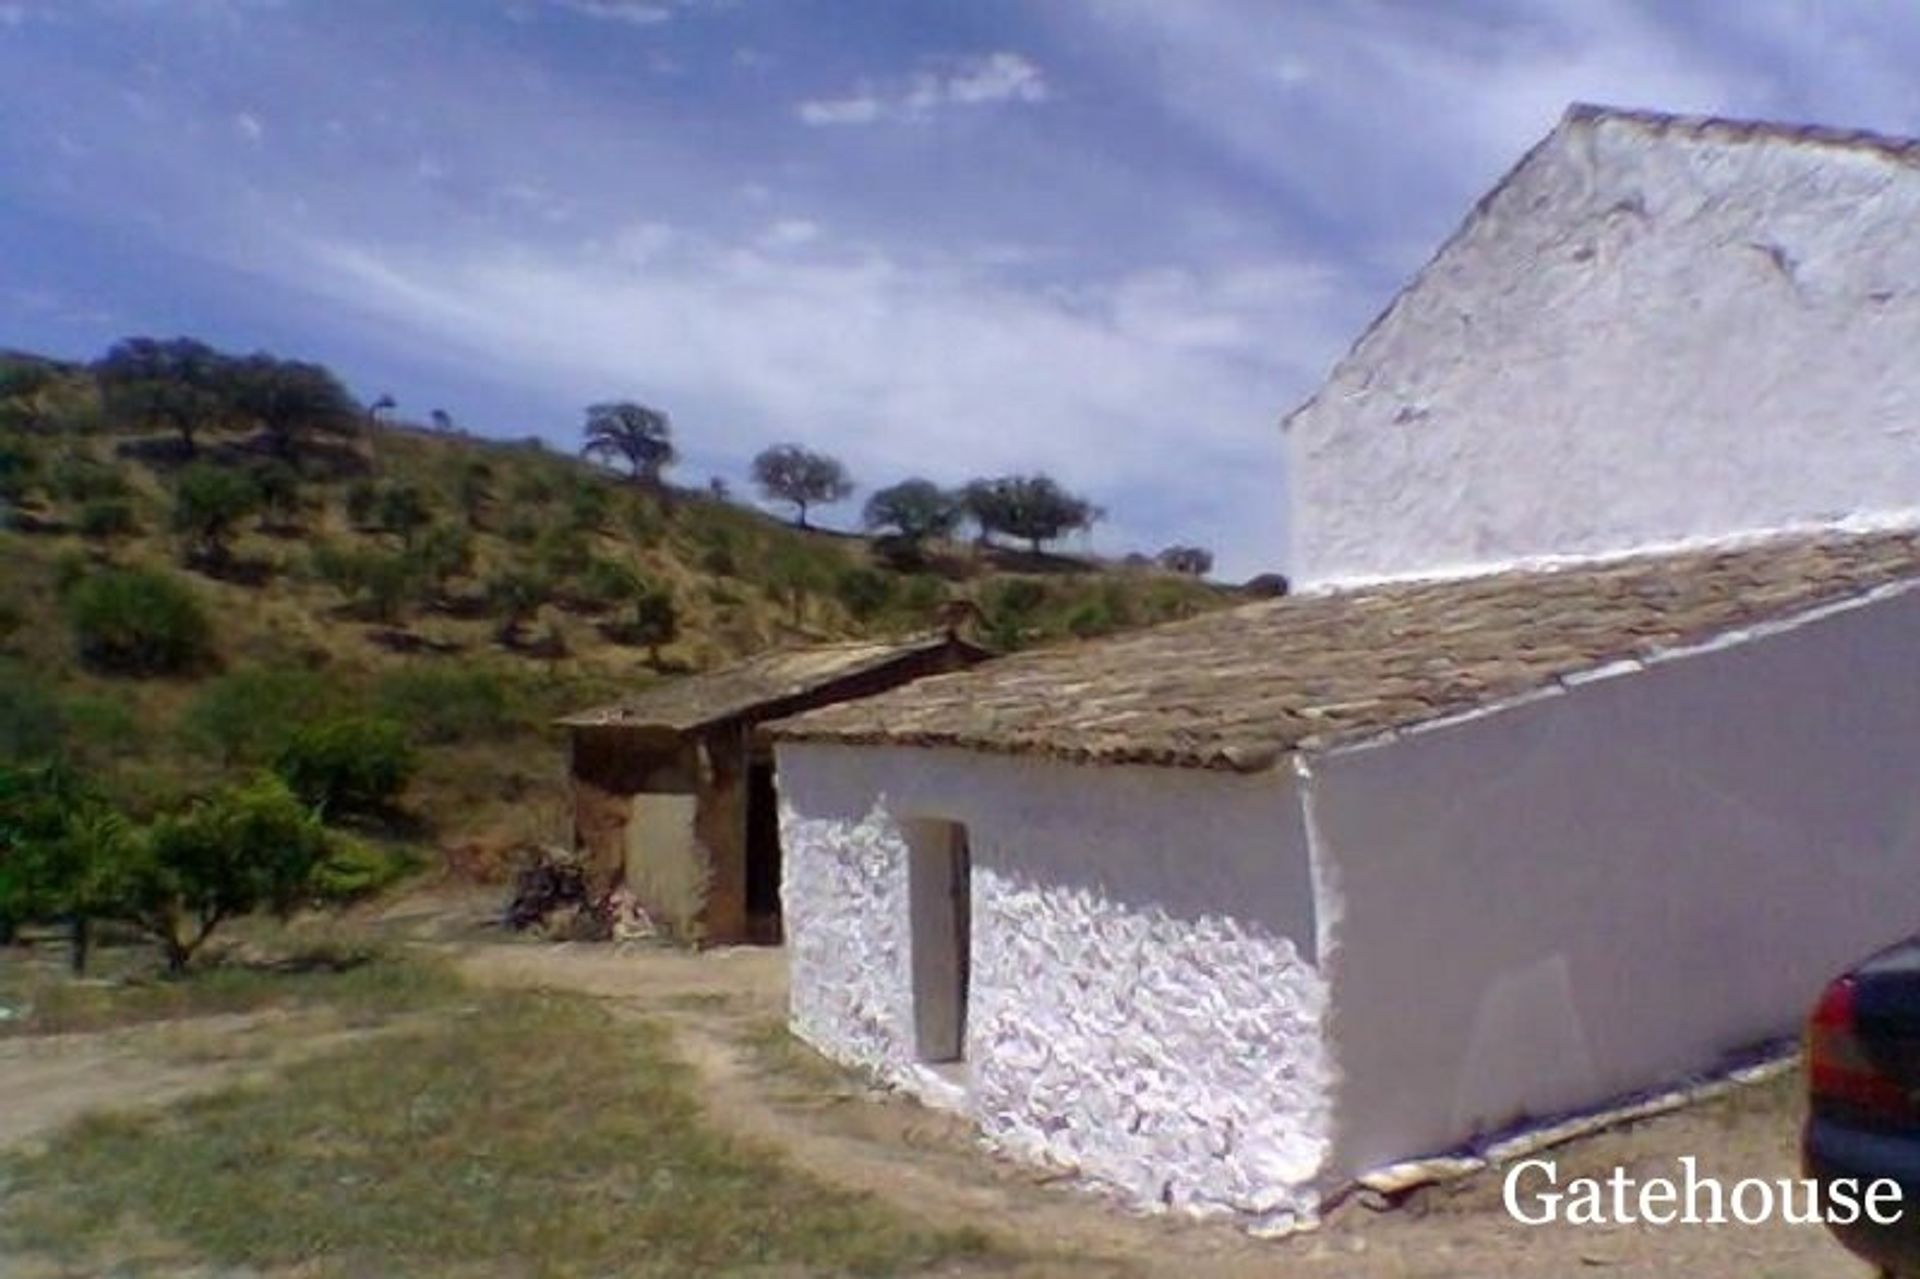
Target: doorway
point(763, 855)
point(940, 898)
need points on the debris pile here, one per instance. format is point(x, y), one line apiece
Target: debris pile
point(551, 896)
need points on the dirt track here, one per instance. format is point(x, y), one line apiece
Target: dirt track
point(927, 1164)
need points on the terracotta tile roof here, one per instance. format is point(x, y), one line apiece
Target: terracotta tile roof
point(760, 682)
point(1242, 688)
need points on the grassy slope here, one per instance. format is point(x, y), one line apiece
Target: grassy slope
point(740, 580)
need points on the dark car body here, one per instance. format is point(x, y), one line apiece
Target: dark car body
point(1863, 1081)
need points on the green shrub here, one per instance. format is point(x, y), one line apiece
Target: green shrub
point(138, 622)
point(439, 705)
point(532, 486)
point(376, 583)
point(19, 468)
point(352, 764)
point(249, 716)
point(108, 517)
point(865, 592)
point(208, 504)
point(75, 477)
point(354, 869)
point(607, 583)
point(100, 728)
point(32, 721)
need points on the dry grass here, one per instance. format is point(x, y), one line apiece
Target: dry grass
point(524, 1135)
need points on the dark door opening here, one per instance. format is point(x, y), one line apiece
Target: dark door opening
point(940, 890)
point(763, 855)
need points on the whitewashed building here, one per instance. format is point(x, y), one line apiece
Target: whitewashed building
point(1585, 754)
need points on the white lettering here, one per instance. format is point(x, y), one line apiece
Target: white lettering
point(1510, 1192)
point(1534, 1196)
point(1887, 1191)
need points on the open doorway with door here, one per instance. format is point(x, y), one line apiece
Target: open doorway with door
point(940, 893)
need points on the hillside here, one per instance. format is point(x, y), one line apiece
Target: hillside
point(466, 589)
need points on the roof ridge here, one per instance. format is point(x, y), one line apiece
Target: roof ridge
point(1742, 129)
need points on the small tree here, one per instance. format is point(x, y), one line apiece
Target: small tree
point(516, 595)
point(473, 490)
point(62, 851)
point(239, 850)
point(138, 622)
point(440, 554)
point(1191, 561)
point(294, 402)
point(1032, 507)
point(864, 591)
point(916, 509)
point(378, 584)
point(632, 433)
point(654, 622)
point(354, 764)
point(401, 509)
point(208, 504)
point(790, 473)
point(278, 485)
point(176, 384)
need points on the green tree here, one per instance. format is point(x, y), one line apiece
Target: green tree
point(1189, 561)
point(380, 585)
point(639, 437)
point(175, 384)
point(916, 509)
point(1031, 507)
point(350, 764)
point(208, 504)
point(247, 716)
point(473, 491)
point(401, 509)
point(439, 555)
point(63, 851)
point(516, 596)
point(864, 591)
point(131, 621)
point(238, 850)
point(790, 473)
point(653, 621)
point(293, 402)
point(278, 484)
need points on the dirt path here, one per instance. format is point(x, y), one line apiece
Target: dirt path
point(47, 1081)
point(720, 1006)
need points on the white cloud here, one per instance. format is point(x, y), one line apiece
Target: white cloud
point(931, 366)
point(861, 109)
point(1001, 77)
point(639, 13)
point(789, 233)
point(248, 126)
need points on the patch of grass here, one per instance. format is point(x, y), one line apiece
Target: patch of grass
point(777, 1052)
point(366, 984)
point(532, 1136)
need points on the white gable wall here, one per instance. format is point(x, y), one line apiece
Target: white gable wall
point(1144, 1004)
point(1608, 889)
point(1642, 338)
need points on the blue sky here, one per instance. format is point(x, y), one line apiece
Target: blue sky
point(1114, 239)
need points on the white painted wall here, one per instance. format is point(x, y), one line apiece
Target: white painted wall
point(1144, 1004)
point(1641, 340)
point(1592, 893)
